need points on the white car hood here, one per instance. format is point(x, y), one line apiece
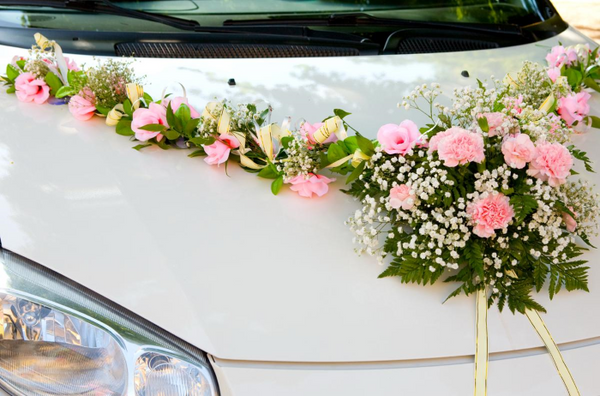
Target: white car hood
point(219, 261)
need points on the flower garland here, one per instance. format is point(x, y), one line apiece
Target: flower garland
point(485, 194)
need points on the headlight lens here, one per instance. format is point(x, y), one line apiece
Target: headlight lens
point(57, 338)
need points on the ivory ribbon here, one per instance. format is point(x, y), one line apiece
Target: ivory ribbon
point(539, 326)
point(44, 43)
point(481, 344)
point(333, 125)
point(482, 354)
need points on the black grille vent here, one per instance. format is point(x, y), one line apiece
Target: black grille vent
point(200, 50)
point(426, 45)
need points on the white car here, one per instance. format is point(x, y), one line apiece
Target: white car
point(150, 273)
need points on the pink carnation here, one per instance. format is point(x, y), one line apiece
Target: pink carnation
point(399, 139)
point(574, 107)
point(314, 184)
point(82, 105)
point(491, 213)
point(402, 197)
point(518, 150)
point(570, 222)
point(177, 101)
point(552, 162)
point(308, 130)
point(458, 146)
point(31, 89)
point(154, 114)
point(219, 151)
point(560, 55)
point(494, 120)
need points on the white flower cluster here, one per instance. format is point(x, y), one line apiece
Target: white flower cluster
point(300, 160)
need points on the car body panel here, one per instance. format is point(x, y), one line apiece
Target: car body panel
point(216, 259)
point(531, 374)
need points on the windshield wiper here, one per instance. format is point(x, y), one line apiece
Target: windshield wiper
point(364, 19)
point(108, 7)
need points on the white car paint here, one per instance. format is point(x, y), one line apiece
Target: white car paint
point(249, 277)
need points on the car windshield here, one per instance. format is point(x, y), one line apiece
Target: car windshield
point(216, 12)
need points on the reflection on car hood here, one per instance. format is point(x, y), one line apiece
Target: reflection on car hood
point(220, 262)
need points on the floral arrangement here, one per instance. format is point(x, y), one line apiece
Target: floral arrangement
point(486, 191)
point(485, 194)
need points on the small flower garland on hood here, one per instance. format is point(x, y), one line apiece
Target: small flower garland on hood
point(485, 194)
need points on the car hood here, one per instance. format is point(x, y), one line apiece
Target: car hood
point(220, 262)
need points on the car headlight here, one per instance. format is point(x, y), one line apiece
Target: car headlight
point(58, 338)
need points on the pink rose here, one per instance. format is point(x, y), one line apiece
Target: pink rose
point(399, 139)
point(308, 130)
point(554, 73)
point(570, 222)
point(219, 151)
point(402, 197)
point(560, 55)
point(552, 162)
point(82, 105)
point(574, 107)
point(178, 101)
point(154, 114)
point(458, 147)
point(31, 89)
point(493, 212)
point(494, 120)
point(71, 64)
point(518, 150)
point(314, 184)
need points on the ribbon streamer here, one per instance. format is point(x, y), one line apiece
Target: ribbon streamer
point(539, 326)
point(482, 347)
point(481, 344)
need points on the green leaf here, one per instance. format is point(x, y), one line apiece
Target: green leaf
point(12, 73)
point(523, 205)
point(191, 126)
point(141, 146)
point(21, 64)
point(591, 83)
point(201, 141)
point(147, 98)
point(269, 172)
point(335, 152)
point(582, 155)
point(171, 134)
point(365, 145)
point(64, 91)
point(197, 153)
point(153, 127)
point(276, 185)
point(102, 110)
point(124, 128)
point(356, 172)
point(341, 113)
point(483, 124)
point(351, 144)
point(11, 90)
point(574, 77)
point(540, 271)
point(171, 119)
point(595, 121)
point(285, 141)
point(127, 108)
point(474, 255)
point(53, 82)
point(183, 113)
